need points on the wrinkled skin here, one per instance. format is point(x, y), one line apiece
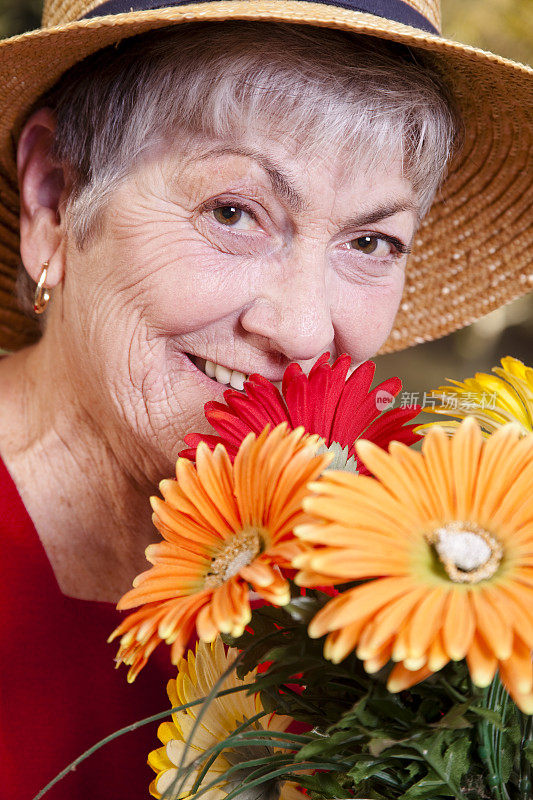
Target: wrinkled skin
point(108, 393)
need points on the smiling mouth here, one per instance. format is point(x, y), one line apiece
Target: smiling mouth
point(222, 374)
point(233, 377)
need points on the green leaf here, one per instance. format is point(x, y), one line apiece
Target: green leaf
point(420, 744)
point(378, 745)
point(450, 761)
point(326, 746)
point(364, 769)
point(490, 715)
point(429, 788)
point(455, 718)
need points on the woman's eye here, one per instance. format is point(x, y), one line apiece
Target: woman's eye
point(233, 217)
point(372, 245)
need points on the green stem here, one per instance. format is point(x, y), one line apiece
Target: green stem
point(284, 772)
point(243, 738)
point(215, 693)
point(496, 699)
point(525, 784)
point(458, 795)
point(203, 710)
point(138, 724)
point(174, 791)
point(457, 696)
point(216, 749)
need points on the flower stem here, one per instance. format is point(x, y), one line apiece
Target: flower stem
point(138, 724)
point(495, 698)
point(525, 785)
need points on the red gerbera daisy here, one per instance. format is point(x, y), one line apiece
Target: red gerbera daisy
point(324, 403)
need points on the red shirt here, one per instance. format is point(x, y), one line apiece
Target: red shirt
point(59, 689)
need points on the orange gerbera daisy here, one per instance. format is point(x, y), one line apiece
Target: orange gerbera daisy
point(225, 526)
point(444, 542)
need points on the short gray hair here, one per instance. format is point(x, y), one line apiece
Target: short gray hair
point(329, 90)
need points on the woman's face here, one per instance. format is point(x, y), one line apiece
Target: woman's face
point(249, 256)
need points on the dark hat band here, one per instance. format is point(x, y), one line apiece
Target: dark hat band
point(394, 10)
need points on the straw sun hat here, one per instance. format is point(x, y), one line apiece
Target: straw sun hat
point(474, 250)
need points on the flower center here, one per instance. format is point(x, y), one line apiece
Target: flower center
point(467, 551)
point(235, 553)
point(340, 459)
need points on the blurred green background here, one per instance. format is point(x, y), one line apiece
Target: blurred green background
point(504, 27)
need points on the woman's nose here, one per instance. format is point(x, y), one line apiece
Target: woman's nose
point(293, 310)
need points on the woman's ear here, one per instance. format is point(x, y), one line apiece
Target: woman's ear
point(41, 184)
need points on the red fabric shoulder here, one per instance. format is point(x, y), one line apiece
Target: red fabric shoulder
point(59, 690)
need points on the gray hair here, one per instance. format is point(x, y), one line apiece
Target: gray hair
point(327, 90)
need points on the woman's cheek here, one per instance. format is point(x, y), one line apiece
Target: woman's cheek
point(385, 307)
point(366, 316)
point(198, 288)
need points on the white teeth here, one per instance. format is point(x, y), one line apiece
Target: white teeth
point(222, 374)
point(237, 379)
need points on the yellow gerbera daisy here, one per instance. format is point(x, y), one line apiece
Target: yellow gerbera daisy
point(493, 400)
point(444, 542)
point(196, 677)
point(225, 526)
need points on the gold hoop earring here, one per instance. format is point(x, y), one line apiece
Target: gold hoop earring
point(42, 295)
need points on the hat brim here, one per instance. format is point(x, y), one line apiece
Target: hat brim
point(473, 251)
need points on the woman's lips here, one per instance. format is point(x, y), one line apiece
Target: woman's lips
point(227, 376)
point(218, 373)
point(215, 386)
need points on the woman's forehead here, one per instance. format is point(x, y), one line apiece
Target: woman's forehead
point(295, 176)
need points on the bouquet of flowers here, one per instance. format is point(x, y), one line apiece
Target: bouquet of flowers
point(348, 599)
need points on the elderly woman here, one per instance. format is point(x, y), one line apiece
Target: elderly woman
point(244, 193)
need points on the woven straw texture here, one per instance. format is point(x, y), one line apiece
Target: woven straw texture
point(474, 250)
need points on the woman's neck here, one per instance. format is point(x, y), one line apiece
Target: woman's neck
point(90, 510)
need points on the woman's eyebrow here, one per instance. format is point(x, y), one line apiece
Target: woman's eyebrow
point(280, 181)
point(381, 212)
point(282, 184)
